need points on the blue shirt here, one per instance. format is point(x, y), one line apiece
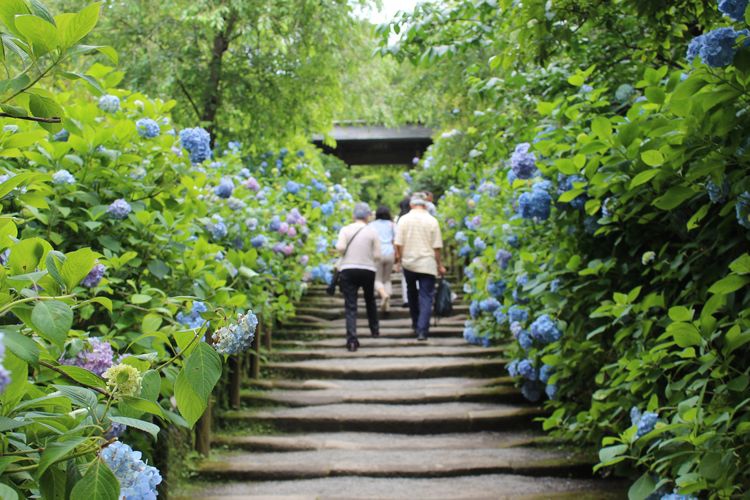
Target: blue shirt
point(386, 231)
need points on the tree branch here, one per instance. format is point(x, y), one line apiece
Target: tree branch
point(189, 98)
point(32, 118)
point(61, 372)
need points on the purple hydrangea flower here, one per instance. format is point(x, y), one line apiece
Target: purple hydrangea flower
point(119, 209)
point(94, 277)
point(503, 258)
point(522, 162)
point(258, 241)
point(95, 357)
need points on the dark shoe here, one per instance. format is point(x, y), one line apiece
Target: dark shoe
point(421, 336)
point(352, 345)
point(405, 305)
point(376, 333)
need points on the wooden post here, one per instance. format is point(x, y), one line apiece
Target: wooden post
point(256, 350)
point(267, 339)
point(235, 381)
point(203, 431)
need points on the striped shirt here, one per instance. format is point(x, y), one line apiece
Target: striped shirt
point(418, 233)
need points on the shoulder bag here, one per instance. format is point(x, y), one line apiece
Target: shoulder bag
point(331, 290)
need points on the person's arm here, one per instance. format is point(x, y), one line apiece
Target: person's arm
point(438, 258)
point(398, 246)
point(437, 245)
point(377, 252)
point(341, 243)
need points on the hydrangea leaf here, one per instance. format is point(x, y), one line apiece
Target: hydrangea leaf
point(136, 423)
point(642, 488)
point(98, 483)
point(77, 265)
point(52, 319)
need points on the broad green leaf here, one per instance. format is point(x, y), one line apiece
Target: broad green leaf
point(140, 298)
point(85, 398)
point(151, 323)
point(609, 453)
point(196, 380)
point(77, 265)
point(652, 158)
point(698, 216)
point(56, 452)
point(735, 338)
point(151, 385)
point(19, 373)
point(142, 406)
point(21, 345)
point(7, 493)
point(681, 313)
point(9, 9)
point(137, 424)
point(643, 177)
point(45, 107)
point(741, 265)
point(26, 255)
point(601, 127)
point(642, 488)
point(685, 334)
point(53, 320)
point(729, 284)
point(74, 27)
point(674, 197)
point(98, 483)
point(41, 34)
point(83, 376)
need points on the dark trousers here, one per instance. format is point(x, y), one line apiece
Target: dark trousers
point(420, 300)
point(351, 281)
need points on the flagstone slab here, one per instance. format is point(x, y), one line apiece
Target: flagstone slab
point(368, 350)
point(381, 385)
point(381, 342)
point(359, 367)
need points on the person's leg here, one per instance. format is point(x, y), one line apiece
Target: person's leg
point(367, 279)
point(426, 297)
point(404, 294)
point(387, 271)
point(349, 288)
point(379, 282)
point(413, 295)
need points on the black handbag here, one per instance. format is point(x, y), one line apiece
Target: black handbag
point(331, 290)
point(443, 300)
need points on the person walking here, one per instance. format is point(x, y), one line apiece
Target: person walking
point(383, 225)
point(359, 245)
point(418, 249)
point(404, 208)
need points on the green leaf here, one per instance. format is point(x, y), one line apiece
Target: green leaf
point(44, 107)
point(140, 298)
point(85, 398)
point(56, 451)
point(735, 338)
point(9, 9)
point(681, 313)
point(652, 158)
point(196, 380)
point(642, 488)
point(7, 493)
point(54, 258)
point(74, 27)
point(151, 385)
point(19, 373)
point(741, 265)
point(602, 127)
point(98, 483)
point(644, 177)
point(137, 424)
point(41, 34)
point(21, 345)
point(143, 406)
point(606, 455)
point(77, 265)
point(151, 323)
point(729, 284)
point(52, 319)
point(674, 197)
point(698, 216)
point(83, 376)
point(685, 334)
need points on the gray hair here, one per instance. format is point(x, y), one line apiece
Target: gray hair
point(362, 211)
point(418, 199)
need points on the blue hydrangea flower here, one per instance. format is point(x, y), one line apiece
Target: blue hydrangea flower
point(544, 330)
point(717, 193)
point(535, 204)
point(319, 185)
point(511, 176)
point(322, 273)
point(513, 241)
point(551, 391)
point(513, 368)
point(275, 223)
point(522, 162)
point(531, 391)
point(138, 481)
point(225, 188)
point(327, 208)
point(292, 187)
point(94, 277)
point(236, 204)
point(715, 48)
point(238, 337)
point(734, 9)
point(526, 370)
point(489, 305)
point(500, 317)
point(503, 258)
point(258, 241)
point(461, 237)
point(474, 309)
point(566, 183)
point(676, 496)
point(119, 209)
point(63, 177)
point(624, 92)
point(518, 314)
point(554, 285)
point(644, 422)
point(147, 128)
point(525, 340)
point(192, 319)
point(496, 288)
point(61, 136)
point(109, 103)
point(115, 430)
point(4, 374)
point(197, 142)
point(479, 244)
point(742, 210)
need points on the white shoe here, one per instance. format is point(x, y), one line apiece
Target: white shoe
point(385, 306)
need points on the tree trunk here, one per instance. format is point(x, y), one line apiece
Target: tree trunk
point(212, 94)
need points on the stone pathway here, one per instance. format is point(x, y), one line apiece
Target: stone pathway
point(398, 419)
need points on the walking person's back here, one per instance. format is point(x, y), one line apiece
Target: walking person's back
point(418, 249)
point(359, 245)
point(386, 230)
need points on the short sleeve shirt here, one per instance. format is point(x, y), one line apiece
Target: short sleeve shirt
point(418, 233)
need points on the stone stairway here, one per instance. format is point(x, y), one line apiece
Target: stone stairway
point(397, 419)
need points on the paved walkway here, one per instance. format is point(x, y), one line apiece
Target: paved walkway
point(398, 419)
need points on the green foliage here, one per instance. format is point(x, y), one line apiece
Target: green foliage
point(644, 273)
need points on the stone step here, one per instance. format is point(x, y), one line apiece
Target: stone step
point(380, 342)
point(396, 463)
point(390, 368)
point(407, 419)
point(363, 332)
point(481, 487)
point(376, 441)
point(338, 312)
point(456, 383)
point(308, 322)
point(376, 351)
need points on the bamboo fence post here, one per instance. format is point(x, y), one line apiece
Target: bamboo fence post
point(203, 431)
point(256, 350)
point(235, 381)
